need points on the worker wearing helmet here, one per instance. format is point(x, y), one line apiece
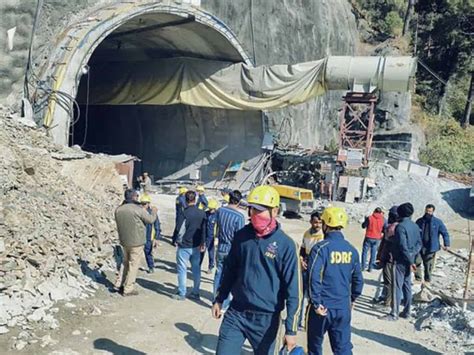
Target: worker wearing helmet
point(153, 232)
point(180, 205)
point(202, 202)
point(335, 281)
point(211, 233)
point(263, 272)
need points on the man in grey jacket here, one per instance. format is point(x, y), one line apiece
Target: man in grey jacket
point(131, 218)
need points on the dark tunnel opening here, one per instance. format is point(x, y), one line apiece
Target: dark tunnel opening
point(174, 141)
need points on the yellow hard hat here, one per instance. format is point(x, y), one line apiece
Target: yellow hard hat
point(182, 190)
point(213, 204)
point(335, 217)
point(200, 188)
point(145, 198)
point(265, 196)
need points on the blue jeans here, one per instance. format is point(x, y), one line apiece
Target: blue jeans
point(217, 277)
point(373, 245)
point(149, 253)
point(183, 256)
point(260, 329)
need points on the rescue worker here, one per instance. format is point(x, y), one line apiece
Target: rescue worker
point(146, 183)
point(180, 206)
point(131, 219)
point(229, 221)
point(406, 245)
point(225, 193)
point(263, 272)
point(374, 226)
point(385, 259)
point(153, 233)
point(202, 202)
point(335, 282)
point(192, 225)
point(312, 236)
point(431, 228)
point(211, 233)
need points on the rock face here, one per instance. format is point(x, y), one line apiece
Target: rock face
point(272, 32)
point(57, 232)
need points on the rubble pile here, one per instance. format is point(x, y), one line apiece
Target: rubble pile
point(56, 236)
point(395, 187)
point(447, 320)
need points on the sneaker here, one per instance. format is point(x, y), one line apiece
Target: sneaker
point(178, 297)
point(194, 296)
point(131, 293)
point(150, 270)
point(389, 318)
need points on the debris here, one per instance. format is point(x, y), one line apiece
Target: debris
point(76, 332)
point(56, 223)
point(3, 329)
point(20, 344)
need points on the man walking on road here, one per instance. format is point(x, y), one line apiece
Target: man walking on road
point(263, 272)
point(406, 245)
point(131, 218)
point(153, 232)
point(229, 221)
point(335, 281)
point(431, 228)
point(374, 226)
point(190, 237)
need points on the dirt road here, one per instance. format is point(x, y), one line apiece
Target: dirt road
point(153, 323)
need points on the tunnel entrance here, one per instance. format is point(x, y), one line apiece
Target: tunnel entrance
point(174, 141)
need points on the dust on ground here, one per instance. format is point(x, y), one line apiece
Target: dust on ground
point(153, 323)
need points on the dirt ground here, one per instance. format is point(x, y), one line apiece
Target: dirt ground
point(153, 323)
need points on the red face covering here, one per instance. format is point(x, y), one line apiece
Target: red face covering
point(262, 224)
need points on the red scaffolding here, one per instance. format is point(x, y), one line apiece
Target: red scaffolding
point(357, 123)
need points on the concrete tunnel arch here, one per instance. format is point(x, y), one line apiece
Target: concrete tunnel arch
point(84, 39)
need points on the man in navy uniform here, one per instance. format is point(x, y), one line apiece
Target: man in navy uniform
point(335, 281)
point(263, 272)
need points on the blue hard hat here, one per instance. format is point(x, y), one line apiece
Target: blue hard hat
point(297, 350)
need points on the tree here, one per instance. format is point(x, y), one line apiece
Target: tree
point(467, 111)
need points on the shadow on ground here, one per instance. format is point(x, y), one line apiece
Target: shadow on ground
point(95, 275)
point(114, 348)
point(203, 343)
point(394, 342)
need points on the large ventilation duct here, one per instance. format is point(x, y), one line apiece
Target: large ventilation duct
point(217, 84)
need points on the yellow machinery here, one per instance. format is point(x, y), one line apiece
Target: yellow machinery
point(295, 199)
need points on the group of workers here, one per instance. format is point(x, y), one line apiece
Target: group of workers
point(399, 247)
point(260, 270)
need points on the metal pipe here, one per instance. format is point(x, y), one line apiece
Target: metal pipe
point(368, 74)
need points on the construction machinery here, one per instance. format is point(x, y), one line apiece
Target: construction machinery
point(295, 200)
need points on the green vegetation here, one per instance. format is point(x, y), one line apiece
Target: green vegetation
point(448, 146)
point(440, 33)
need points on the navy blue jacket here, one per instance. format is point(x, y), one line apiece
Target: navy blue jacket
point(156, 226)
point(211, 228)
point(263, 275)
point(335, 276)
point(406, 242)
point(202, 200)
point(437, 228)
point(195, 222)
point(180, 205)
